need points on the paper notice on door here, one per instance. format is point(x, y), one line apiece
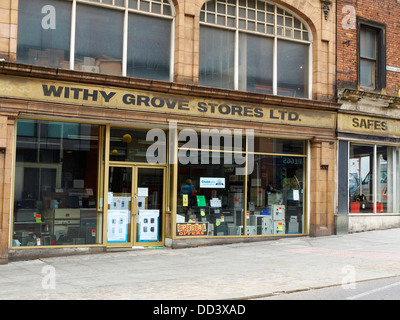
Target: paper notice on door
point(215, 203)
point(110, 197)
point(296, 196)
point(143, 192)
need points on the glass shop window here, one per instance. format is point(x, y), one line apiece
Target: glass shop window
point(136, 145)
point(211, 194)
point(56, 184)
point(374, 172)
point(214, 200)
point(275, 195)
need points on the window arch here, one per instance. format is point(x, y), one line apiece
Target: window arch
point(254, 46)
point(118, 37)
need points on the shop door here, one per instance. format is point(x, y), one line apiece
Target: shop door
point(149, 206)
point(135, 212)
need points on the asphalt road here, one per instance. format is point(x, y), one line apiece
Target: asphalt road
point(380, 289)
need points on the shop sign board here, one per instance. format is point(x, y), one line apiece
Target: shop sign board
point(368, 125)
point(191, 229)
point(157, 102)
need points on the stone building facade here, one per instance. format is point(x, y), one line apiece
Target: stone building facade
point(72, 97)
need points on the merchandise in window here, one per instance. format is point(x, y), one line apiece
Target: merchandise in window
point(210, 198)
point(275, 195)
point(213, 200)
point(56, 184)
point(373, 179)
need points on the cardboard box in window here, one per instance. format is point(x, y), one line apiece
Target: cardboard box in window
point(86, 68)
point(89, 61)
point(55, 56)
point(109, 66)
point(64, 64)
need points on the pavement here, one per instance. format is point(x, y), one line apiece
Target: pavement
point(234, 271)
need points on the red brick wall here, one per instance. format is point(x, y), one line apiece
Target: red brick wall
point(382, 11)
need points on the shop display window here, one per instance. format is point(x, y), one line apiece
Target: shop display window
point(210, 197)
point(56, 199)
point(214, 200)
point(275, 195)
point(374, 172)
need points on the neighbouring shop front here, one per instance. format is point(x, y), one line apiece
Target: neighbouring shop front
point(147, 168)
point(368, 172)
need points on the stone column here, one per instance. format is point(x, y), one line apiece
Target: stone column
point(322, 187)
point(6, 160)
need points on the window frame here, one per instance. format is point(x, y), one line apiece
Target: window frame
point(380, 53)
point(126, 9)
point(236, 28)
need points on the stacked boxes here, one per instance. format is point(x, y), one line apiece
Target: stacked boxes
point(278, 218)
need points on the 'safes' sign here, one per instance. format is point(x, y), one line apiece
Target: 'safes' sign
point(148, 101)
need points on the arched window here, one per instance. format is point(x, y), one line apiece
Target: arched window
point(119, 37)
point(254, 46)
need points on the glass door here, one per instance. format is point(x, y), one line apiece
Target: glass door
point(149, 205)
point(135, 212)
point(119, 229)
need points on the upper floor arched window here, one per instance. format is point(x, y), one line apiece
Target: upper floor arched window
point(119, 37)
point(254, 46)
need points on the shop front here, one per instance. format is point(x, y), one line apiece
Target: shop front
point(368, 172)
point(102, 164)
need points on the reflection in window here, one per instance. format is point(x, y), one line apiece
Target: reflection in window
point(98, 44)
point(255, 63)
point(216, 58)
point(275, 195)
point(134, 145)
point(44, 36)
point(292, 69)
point(374, 185)
point(43, 39)
point(361, 178)
point(275, 32)
point(368, 57)
point(56, 184)
point(213, 194)
point(275, 145)
point(149, 47)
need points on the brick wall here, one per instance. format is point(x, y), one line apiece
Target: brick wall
point(382, 11)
